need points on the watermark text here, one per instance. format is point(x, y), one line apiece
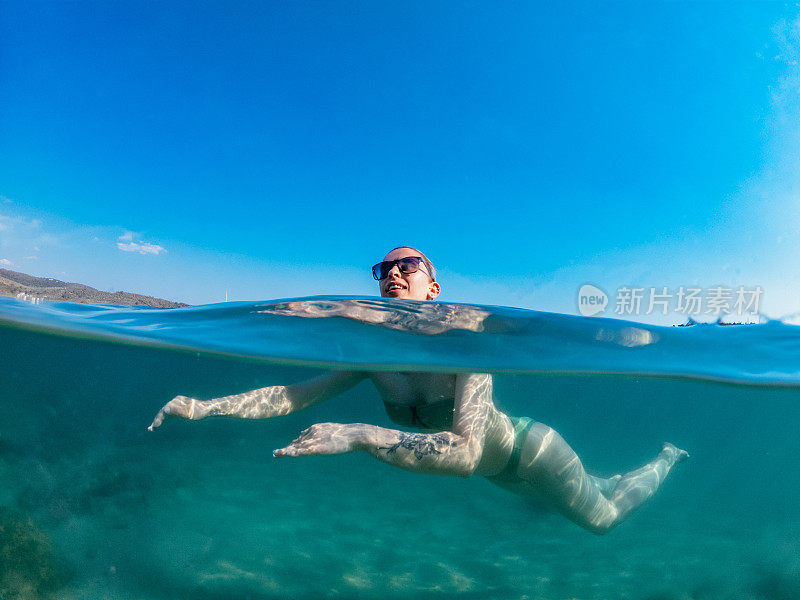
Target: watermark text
point(687, 300)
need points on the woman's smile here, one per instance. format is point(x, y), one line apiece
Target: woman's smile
point(394, 288)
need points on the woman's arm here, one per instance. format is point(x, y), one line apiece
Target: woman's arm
point(265, 402)
point(456, 452)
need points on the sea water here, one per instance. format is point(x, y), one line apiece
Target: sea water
point(92, 505)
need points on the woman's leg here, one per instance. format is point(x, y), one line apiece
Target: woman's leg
point(551, 468)
point(606, 485)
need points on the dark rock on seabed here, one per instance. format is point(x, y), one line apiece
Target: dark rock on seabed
point(29, 566)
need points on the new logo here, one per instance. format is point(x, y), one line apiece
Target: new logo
point(591, 300)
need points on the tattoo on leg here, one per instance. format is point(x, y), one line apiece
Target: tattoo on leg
point(421, 444)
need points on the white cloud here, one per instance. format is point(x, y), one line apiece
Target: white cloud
point(5, 262)
point(126, 244)
point(143, 248)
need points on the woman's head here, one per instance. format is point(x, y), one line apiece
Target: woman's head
point(419, 284)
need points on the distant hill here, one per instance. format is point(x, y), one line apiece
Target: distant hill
point(20, 285)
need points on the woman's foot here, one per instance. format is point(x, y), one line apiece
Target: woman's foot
point(673, 453)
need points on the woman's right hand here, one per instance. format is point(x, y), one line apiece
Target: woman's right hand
point(181, 406)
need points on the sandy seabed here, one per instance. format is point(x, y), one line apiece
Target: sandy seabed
point(347, 527)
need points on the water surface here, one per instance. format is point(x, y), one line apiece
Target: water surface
point(101, 508)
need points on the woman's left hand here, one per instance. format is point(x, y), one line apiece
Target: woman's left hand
point(323, 439)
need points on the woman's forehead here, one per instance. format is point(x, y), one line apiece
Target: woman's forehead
point(401, 253)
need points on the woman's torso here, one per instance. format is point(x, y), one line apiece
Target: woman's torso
point(427, 401)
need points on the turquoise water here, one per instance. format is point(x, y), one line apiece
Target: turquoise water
point(92, 505)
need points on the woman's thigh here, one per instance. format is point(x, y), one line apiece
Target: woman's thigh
point(551, 468)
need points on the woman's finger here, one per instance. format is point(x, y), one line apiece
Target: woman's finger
point(287, 451)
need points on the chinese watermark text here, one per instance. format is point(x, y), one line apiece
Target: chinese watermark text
point(686, 300)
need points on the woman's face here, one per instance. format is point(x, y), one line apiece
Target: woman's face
point(409, 286)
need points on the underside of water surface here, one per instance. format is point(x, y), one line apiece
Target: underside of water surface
point(92, 505)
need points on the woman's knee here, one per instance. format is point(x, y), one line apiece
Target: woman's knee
point(598, 531)
point(600, 528)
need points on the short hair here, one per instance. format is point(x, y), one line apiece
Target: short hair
point(425, 259)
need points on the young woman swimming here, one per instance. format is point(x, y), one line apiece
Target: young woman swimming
point(462, 432)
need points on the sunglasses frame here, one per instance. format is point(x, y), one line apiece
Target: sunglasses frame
point(392, 263)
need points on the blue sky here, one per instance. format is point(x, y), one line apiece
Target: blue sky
point(278, 149)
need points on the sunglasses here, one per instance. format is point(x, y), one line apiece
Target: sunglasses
point(409, 264)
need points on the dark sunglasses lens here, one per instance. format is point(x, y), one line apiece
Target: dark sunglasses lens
point(409, 264)
point(381, 270)
point(378, 271)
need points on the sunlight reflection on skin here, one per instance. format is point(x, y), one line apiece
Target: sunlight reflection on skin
point(551, 468)
point(416, 317)
point(480, 439)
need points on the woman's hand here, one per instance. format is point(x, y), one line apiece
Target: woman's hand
point(181, 406)
point(324, 438)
